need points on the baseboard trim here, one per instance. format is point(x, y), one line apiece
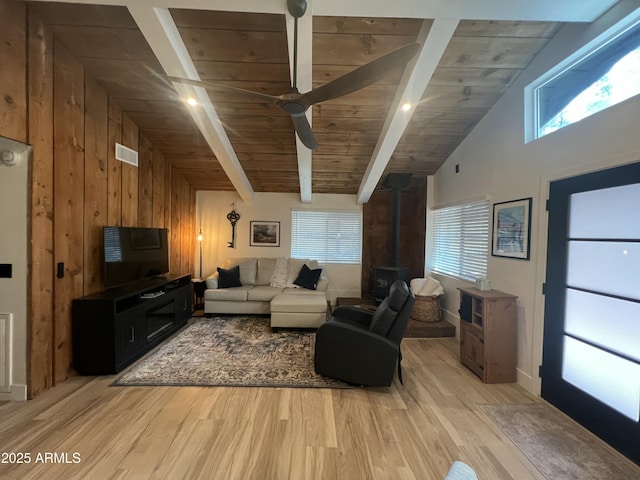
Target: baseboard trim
point(16, 393)
point(529, 383)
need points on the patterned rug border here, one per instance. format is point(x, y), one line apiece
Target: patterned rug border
point(191, 351)
point(561, 448)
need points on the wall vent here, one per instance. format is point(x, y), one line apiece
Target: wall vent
point(5, 352)
point(125, 154)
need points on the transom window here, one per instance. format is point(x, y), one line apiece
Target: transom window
point(327, 236)
point(606, 72)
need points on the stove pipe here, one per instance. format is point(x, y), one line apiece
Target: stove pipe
point(396, 182)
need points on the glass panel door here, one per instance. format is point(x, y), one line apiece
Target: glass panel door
point(591, 358)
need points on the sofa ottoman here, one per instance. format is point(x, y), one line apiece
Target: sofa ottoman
point(298, 311)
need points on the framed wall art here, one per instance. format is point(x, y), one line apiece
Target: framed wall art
point(264, 233)
point(511, 229)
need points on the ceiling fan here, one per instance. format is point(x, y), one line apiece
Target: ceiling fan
point(296, 103)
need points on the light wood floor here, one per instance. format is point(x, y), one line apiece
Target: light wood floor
point(413, 431)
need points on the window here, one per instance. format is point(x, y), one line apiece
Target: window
point(461, 240)
point(606, 72)
point(328, 236)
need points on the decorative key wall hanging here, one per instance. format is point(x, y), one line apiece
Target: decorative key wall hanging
point(233, 218)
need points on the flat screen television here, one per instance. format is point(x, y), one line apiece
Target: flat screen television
point(134, 253)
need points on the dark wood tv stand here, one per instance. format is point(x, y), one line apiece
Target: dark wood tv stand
point(114, 327)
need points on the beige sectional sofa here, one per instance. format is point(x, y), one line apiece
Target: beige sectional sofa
point(268, 288)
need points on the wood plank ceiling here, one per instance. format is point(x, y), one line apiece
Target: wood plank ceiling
point(250, 51)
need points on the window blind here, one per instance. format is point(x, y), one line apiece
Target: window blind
point(327, 236)
point(461, 240)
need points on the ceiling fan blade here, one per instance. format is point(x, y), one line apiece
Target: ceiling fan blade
point(226, 89)
point(362, 76)
point(303, 129)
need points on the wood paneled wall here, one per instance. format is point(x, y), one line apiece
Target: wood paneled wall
point(41, 266)
point(76, 184)
point(68, 200)
point(377, 221)
point(13, 98)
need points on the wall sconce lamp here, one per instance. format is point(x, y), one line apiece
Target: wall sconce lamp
point(200, 237)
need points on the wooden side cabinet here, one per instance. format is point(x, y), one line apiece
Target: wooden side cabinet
point(488, 334)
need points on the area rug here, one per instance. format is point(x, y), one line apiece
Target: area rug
point(232, 351)
point(559, 447)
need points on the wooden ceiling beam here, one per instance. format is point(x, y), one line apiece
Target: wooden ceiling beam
point(434, 38)
point(160, 31)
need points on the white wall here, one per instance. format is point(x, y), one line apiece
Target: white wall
point(13, 250)
point(211, 215)
point(495, 162)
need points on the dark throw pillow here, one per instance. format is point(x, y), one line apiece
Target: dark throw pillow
point(308, 278)
point(229, 278)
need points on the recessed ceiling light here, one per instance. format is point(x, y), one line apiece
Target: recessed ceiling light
point(406, 106)
point(192, 101)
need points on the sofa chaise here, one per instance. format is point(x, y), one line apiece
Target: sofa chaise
point(269, 286)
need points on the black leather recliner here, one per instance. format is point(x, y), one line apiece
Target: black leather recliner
point(362, 347)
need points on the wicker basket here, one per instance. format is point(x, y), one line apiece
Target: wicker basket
point(426, 308)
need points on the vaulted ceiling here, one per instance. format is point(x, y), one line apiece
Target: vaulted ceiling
point(471, 52)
